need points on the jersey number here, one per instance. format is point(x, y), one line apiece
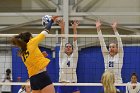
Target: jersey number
point(111, 64)
point(25, 55)
point(68, 63)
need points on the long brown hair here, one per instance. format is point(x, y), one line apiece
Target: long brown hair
point(21, 41)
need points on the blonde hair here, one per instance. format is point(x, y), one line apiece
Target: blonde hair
point(108, 80)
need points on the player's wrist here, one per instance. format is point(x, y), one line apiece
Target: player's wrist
point(48, 25)
point(46, 30)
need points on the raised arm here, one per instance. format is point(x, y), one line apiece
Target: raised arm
point(63, 39)
point(74, 26)
point(47, 26)
point(101, 39)
point(48, 23)
point(120, 45)
point(61, 23)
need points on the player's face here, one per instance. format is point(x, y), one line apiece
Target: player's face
point(68, 49)
point(133, 79)
point(113, 48)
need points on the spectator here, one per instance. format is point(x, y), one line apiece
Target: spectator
point(133, 85)
point(7, 78)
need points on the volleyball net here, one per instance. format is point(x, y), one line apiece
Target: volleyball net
point(90, 65)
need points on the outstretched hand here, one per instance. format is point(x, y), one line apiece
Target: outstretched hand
point(75, 24)
point(114, 25)
point(54, 18)
point(98, 25)
point(61, 23)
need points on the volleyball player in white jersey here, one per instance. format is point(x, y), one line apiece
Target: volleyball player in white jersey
point(113, 58)
point(68, 58)
point(131, 88)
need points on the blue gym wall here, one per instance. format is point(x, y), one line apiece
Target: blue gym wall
point(90, 66)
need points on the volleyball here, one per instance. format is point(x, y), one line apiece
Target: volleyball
point(46, 19)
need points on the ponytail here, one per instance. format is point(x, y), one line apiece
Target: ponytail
point(21, 41)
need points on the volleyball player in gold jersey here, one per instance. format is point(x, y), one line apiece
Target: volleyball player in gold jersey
point(34, 60)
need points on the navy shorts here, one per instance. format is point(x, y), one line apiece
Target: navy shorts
point(67, 89)
point(40, 81)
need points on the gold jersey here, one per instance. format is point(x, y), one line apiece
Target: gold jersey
point(33, 58)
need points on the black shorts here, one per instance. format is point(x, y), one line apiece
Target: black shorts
point(40, 81)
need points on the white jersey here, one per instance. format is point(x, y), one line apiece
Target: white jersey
point(68, 64)
point(130, 89)
point(113, 63)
